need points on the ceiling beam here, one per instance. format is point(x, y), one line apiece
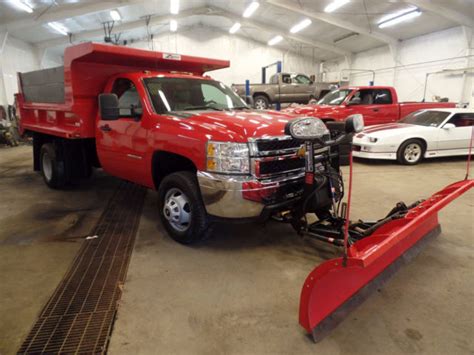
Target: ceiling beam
point(333, 20)
point(123, 27)
point(443, 11)
point(62, 13)
point(277, 31)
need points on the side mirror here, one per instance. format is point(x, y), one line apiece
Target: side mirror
point(449, 126)
point(354, 101)
point(354, 123)
point(109, 107)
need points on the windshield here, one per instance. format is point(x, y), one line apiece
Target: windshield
point(179, 94)
point(334, 97)
point(426, 118)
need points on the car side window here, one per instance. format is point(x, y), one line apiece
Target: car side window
point(382, 97)
point(302, 79)
point(366, 96)
point(286, 79)
point(462, 120)
point(129, 99)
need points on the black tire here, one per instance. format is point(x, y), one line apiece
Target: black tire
point(261, 102)
point(52, 167)
point(198, 228)
point(411, 152)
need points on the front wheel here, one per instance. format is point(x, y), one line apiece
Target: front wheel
point(411, 152)
point(181, 209)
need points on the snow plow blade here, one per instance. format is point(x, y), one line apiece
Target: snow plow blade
point(333, 289)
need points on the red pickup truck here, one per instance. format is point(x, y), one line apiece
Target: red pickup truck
point(154, 119)
point(378, 104)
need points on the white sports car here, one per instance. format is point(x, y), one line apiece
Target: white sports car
point(422, 134)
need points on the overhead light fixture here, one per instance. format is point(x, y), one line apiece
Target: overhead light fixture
point(301, 25)
point(336, 4)
point(275, 40)
point(174, 7)
point(58, 28)
point(253, 6)
point(173, 25)
point(400, 16)
point(235, 27)
point(343, 38)
point(22, 6)
point(115, 15)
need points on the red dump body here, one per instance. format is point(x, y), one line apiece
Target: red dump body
point(87, 69)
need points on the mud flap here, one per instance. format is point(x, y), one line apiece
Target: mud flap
point(335, 288)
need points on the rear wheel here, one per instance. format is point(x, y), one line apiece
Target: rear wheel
point(261, 102)
point(411, 152)
point(52, 167)
point(181, 209)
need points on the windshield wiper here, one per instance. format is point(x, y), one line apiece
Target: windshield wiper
point(202, 107)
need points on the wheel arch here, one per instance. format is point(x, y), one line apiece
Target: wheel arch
point(164, 163)
point(421, 139)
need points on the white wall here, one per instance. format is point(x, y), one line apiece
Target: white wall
point(246, 56)
point(17, 56)
point(416, 57)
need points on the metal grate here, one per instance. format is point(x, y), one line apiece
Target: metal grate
point(280, 166)
point(79, 316)
point(275, 144)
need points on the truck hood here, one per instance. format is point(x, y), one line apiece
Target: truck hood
point(237, 126)
point(393, 130)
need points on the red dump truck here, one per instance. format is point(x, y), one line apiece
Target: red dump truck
point(378, 104)
point(155, 119)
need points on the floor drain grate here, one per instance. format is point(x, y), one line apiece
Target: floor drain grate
point(78, 317)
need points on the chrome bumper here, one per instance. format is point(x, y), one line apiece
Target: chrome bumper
point(223, 194)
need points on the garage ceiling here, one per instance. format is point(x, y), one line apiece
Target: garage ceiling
point(350, 29)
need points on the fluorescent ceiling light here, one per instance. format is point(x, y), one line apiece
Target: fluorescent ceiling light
point(174, 7)
point(58, 28)
point(251, 9)
point(235, 27)
point(115, 15)
point(173, 25)
point(21, 6)
point(300, 25)
point(400, 16)
point(275, 40)
point(336, 4)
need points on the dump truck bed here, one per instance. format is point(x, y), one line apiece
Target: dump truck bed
point(63, 101)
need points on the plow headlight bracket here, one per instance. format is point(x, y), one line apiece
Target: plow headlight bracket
point(306, 129)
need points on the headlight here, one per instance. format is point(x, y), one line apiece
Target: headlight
point(306, 128)
point(373, 139)
point(230, 158)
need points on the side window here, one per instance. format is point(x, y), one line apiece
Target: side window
point(302, 79)
point(285, 78)
point(462, 120)
point(382, 97)
point(129, 99)
point(366, 97)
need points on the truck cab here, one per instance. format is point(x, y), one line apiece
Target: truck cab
point(155, 119)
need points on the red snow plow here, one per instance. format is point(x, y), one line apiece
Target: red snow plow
point(372, 251)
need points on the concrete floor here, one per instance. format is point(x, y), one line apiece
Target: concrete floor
point(238, 293)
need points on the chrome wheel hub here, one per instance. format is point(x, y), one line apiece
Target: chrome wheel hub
point(47, 166)
point(177, 209)
point(260, 104)
point(412, 152)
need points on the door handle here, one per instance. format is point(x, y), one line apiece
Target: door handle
point(375, 109)
point(105, 128)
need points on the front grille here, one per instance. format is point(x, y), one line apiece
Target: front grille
point(277, 144)
point(280, 166)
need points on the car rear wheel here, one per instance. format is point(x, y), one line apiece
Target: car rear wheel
point(261, 102)
point(411, 152)
point(181, 209)
point(52, 167)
